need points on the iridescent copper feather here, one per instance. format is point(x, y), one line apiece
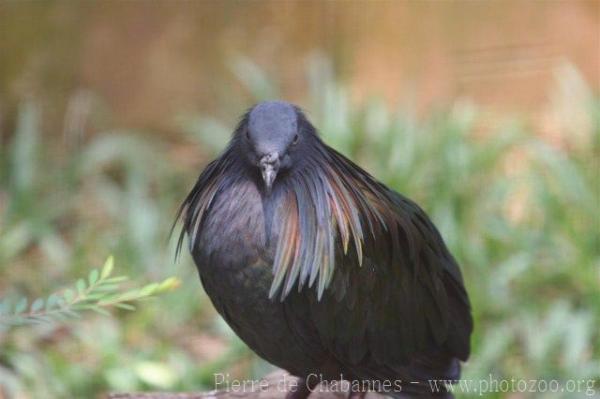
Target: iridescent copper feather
point(329, 204)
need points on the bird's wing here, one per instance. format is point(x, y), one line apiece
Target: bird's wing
point(395, 294)
point(395, 308)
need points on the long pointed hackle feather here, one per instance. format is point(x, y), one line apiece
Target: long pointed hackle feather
point(331, 199)
point(286, 248)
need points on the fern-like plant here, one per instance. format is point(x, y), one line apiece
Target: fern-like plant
point(99, 292)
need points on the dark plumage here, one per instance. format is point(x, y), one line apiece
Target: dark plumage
point(319, 267)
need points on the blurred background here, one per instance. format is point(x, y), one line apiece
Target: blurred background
point(486, 113)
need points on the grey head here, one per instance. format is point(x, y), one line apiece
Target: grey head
point(272, 136)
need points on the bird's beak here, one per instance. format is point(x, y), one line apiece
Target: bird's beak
point(269, 174)
point(269, 166)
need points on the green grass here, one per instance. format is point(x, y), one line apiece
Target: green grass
point(519, 212)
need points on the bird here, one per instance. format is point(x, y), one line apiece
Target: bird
point(320, 268)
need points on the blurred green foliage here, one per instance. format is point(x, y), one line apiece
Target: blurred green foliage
point(520, 214)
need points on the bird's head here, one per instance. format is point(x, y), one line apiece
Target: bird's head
point(271, 138)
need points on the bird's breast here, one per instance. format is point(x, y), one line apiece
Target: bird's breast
point(238, 237)
point(234, 256)
point(234, 229)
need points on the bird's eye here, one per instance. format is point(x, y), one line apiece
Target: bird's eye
point(248, 134)
point(296, 138)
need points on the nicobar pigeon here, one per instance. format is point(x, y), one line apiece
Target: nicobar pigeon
point(321, 269)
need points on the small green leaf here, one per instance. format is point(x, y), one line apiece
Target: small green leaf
point(37, 305)
point(61, 301)
point(93, 277)
point(169, 284)
point(106, 288)
point(128, 296)
point(69, 295)
point(52, 301)
point(107, 268)
point(80, 286)
point(149, 289)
